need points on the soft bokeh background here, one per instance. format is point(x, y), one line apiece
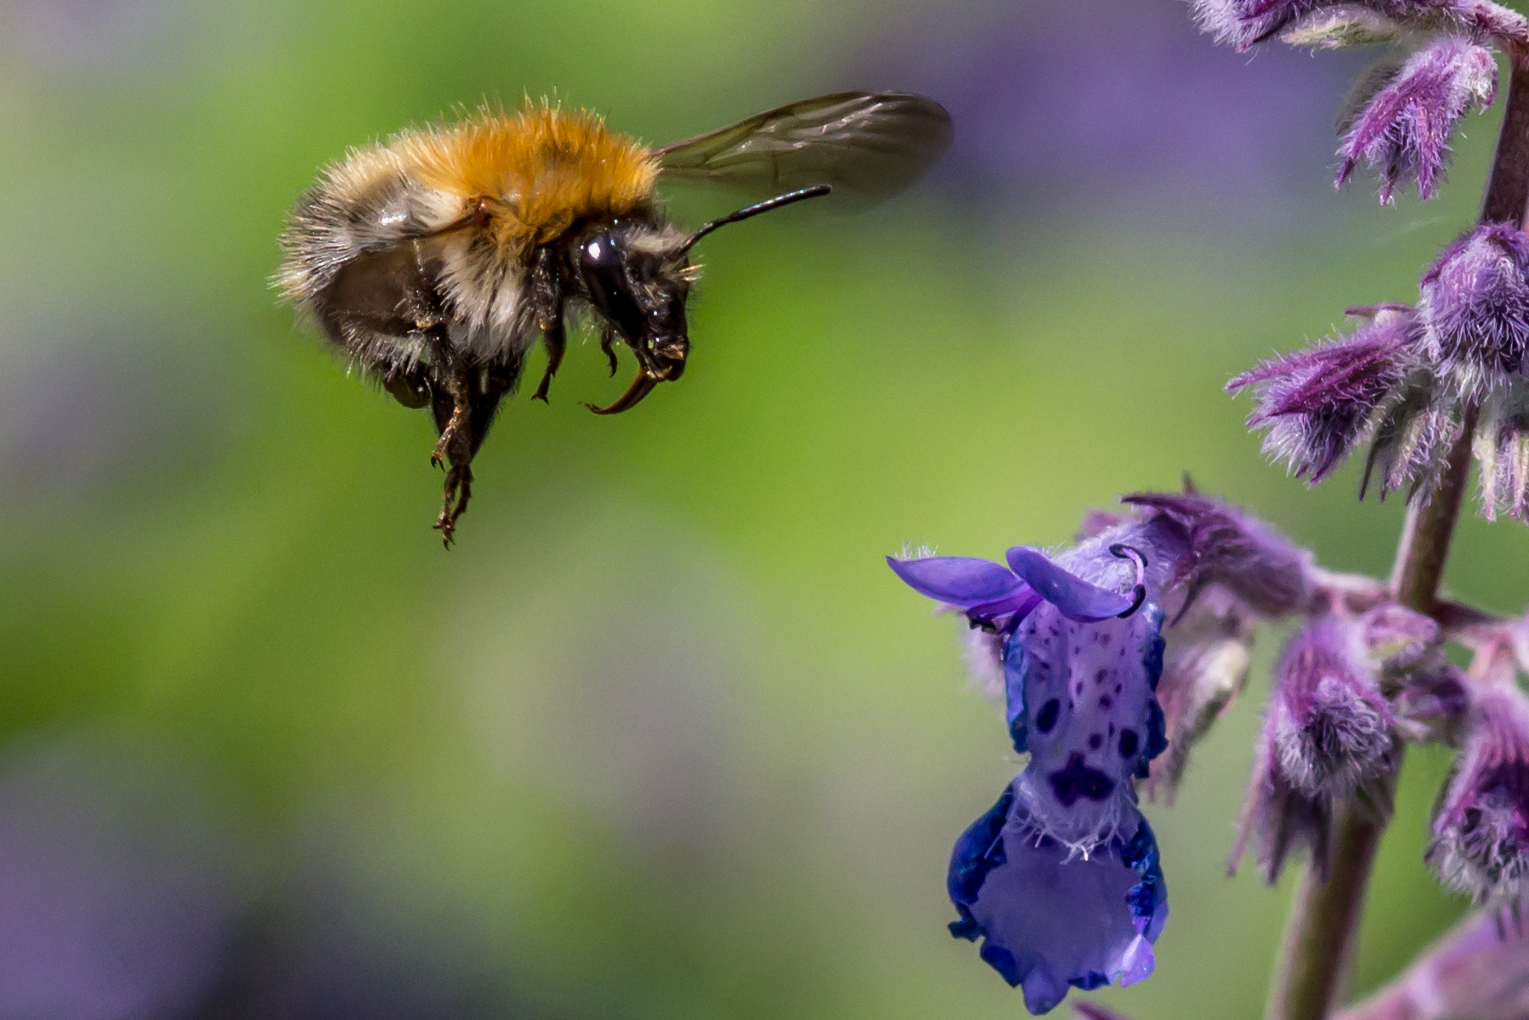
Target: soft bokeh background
point(661, 737)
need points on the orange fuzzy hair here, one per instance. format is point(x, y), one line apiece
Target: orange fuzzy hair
point(540, 168)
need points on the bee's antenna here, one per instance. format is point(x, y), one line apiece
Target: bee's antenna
point(816, 191)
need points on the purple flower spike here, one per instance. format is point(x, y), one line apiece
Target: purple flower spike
point(1475, 309)
point(1318, 403)
point(1049, 917)
point(1481, 829)
point(1404, 125)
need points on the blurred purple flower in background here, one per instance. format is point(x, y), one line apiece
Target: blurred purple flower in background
point(1110, 109)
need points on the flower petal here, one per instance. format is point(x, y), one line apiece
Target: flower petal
point(1050, 918)
point(1075, 597)
point(961, 581)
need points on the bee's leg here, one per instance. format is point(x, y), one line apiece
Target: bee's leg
point(487, 387)
point(547, 293)
point(608, 344)
point(452, 381)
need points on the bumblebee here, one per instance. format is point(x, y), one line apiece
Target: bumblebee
point(436, 259)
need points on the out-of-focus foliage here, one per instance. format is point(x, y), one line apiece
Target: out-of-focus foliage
point(662, 737)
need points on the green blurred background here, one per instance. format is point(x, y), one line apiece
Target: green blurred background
point(661, 737)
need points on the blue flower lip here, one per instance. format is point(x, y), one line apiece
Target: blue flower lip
point(1083, 948)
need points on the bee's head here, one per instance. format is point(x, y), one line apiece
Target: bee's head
point(637, 275)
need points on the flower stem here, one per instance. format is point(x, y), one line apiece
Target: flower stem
point(1324, 919)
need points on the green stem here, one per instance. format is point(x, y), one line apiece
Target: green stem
point(1324, 919)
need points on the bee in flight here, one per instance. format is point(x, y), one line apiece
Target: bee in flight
point(436, 259)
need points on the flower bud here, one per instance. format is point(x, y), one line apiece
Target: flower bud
point(1332, 729)
point(1475, 310)
point(1404, 116)
point(1233, 549)
point(1481, 828)
point(1317, 404)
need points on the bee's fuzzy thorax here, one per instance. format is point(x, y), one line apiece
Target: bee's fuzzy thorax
point(548, 167)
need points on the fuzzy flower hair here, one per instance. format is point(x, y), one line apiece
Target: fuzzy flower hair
point(1318, 404)
point(1329, 734)
point(1403, 114)
point(1475, 310)
point(1481, 827)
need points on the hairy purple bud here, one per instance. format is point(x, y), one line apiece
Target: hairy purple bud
point(1245, 23)
point(1328, 735)
point(1480, 969)
point(1481, 828)
point(1318, 403)
point(1404, 118)
point(1232, 548)
point(1475, 309)
point(1332, 729)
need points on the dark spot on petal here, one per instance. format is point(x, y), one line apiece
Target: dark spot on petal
point(1046, 718)
point(1106, 702)
point(1104, 638)
point(1078, 780)
point(1129, 743)
point(1119, 688)
point(1095, 741)
point(1102, 676)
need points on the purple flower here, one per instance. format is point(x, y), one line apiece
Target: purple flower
point(1048, 916)
point(1481, 828)
point(1404, 117)
point(1245, 23)
point(1318, 403)
point(1475, 309)
point(1081, 654)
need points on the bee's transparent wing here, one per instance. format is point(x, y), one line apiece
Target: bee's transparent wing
point(866, 146)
